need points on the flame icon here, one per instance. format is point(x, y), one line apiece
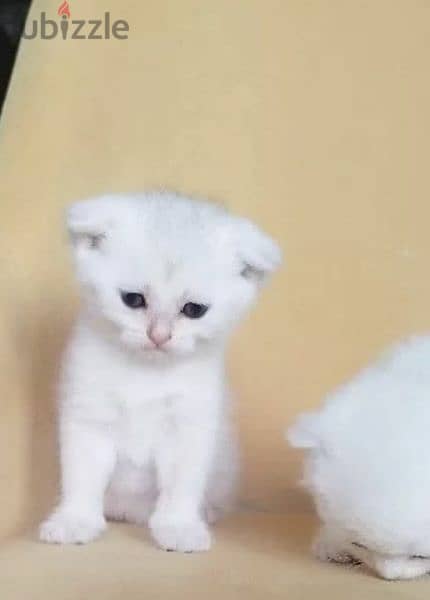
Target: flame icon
point(64, 9)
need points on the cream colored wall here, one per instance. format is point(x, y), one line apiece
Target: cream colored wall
point(310, 117)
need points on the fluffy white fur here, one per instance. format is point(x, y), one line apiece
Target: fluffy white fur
point(367, 465)
point(144, 423)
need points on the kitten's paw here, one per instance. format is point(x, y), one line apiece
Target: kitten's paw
point(180, 536)
point(399, 568)
point(67, 528)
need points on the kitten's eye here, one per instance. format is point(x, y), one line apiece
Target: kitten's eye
point(133, 300)
point(193, 310)
point(359, 545)
point(419, 557)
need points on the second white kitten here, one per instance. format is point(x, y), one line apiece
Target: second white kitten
point(367, 465)
point(144, 423)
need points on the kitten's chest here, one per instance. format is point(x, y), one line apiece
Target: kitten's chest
point(145, 411)
point(139, 431)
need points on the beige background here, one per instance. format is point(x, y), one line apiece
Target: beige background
point(311, 117)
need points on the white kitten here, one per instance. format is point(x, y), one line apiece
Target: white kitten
point(144, 424)
point(368, 468)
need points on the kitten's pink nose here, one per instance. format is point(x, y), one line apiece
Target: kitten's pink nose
point(159, 333)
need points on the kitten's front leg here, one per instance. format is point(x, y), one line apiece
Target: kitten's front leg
point(87, 461)
point(183, 463)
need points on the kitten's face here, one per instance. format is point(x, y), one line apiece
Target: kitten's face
point(167, 275)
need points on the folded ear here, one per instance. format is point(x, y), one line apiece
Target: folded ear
point(89, 221)
point(259, 253)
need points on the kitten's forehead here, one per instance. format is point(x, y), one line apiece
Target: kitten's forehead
point(172, 241)
point(175, 219)
point(173, 266)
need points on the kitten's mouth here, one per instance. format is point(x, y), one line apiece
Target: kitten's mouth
point(156, 350)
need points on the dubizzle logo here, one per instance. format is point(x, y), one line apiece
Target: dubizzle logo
point(76, 29)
